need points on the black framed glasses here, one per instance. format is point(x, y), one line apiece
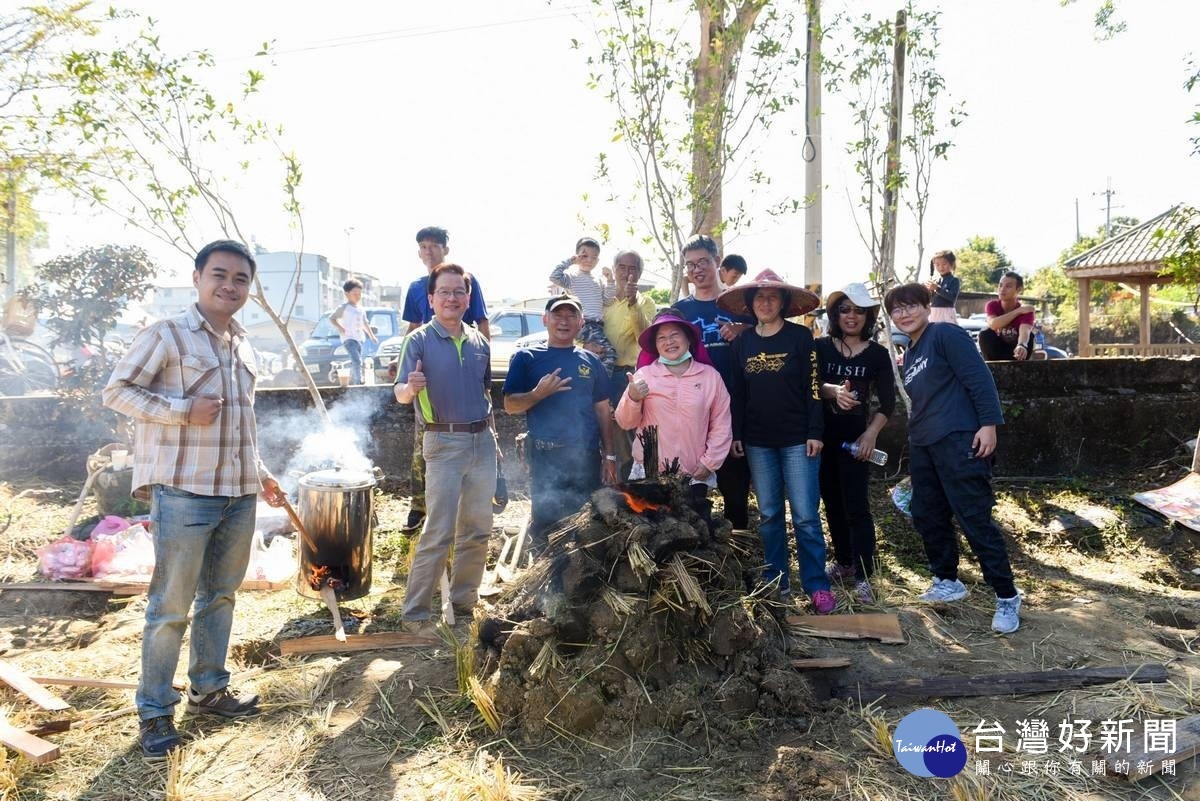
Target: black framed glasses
point(848, 309)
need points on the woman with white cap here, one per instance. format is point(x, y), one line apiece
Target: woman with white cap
point(677, 389)
point(778, 423)
point(852, 367)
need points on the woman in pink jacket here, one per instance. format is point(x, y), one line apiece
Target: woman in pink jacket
point(677, 389)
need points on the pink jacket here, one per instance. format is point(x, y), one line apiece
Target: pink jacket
point(691, 412)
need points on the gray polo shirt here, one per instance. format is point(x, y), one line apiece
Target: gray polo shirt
point(458, 373)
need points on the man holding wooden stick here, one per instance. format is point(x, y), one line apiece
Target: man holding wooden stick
point(188, 383)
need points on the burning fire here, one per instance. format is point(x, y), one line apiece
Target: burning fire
point(640, 505)
point(319, 576)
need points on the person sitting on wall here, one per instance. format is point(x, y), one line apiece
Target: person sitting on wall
point(1009, 335)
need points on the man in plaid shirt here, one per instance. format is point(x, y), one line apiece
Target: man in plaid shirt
point(188, 383)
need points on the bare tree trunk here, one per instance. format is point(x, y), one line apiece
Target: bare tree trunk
point(309, 383)
point(891, 179)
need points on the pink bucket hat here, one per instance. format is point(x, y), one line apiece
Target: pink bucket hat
point(650, 351)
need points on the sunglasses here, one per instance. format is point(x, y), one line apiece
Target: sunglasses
point(847, 309)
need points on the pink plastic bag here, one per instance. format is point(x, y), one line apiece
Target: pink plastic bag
point(128, 554)
point(65, 558)
point(110, 525)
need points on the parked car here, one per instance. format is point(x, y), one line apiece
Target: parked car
point(324, 345)
point(386, 357)
point(973, 324)
point(510, 327)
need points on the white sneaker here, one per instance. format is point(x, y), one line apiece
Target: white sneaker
point(944, 591)
point(1007, 620)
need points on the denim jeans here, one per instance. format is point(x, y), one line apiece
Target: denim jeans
point(949, 482)
point(201, 548)
point(354, 351)
point(561, 480)
point(460, 479)
point(789, 474)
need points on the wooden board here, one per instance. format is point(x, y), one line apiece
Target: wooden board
point(12, 676)
point(326, 644)
point(33, 748)
point(124, 588)
point(1187, 745)
point(819, 663)
point(998, 684)
point(885, 628)
point(98, 684)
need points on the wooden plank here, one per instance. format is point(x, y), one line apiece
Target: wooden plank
point(1187, 745)
point(11, 675)
point(882, 627)
point(124, 588)
point(33, 748)
point(998, 684)
point(98, 684)
point(327, 643)
point(818, 663)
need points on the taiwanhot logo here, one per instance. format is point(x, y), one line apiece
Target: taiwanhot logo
point(928, 744)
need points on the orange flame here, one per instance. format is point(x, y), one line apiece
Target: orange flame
point(317, 574)
point(640, 505)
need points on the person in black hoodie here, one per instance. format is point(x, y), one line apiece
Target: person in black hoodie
point(777, 424)
point(852, 367)
point(951, 438)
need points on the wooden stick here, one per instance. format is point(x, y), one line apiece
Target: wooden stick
point(12, 676)
point(447, 604)
point(816, 663)
point(1000, 684)
point(299, 524)
point(33, 748)
point(885, 628)
point(329, 596)
point(96, 684)
point(123, 588)
point(1187, 745)
point(356, 642)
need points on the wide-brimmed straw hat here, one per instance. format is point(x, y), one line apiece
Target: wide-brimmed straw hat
point(650, 349)
point(856, 293)
point(735, 300)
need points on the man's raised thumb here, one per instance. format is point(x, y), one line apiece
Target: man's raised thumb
point(630, 377)
point(417, 366)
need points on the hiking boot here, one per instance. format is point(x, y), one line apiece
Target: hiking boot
point(415, 518)
point(158, 737)
point(425, 627)
point(464, 610)
point(838, 572)
point(823, 601)
point(944, 591)
point(223, 703)
point(862, 591)
point(1007, 620)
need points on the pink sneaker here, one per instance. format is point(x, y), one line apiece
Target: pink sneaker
point(823, 602)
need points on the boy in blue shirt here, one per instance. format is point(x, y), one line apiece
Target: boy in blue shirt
point(952, 436)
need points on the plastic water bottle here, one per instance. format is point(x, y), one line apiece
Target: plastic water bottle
point(1039, 339)
point(877, 456)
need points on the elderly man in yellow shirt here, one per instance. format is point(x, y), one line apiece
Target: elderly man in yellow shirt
point(624, 321)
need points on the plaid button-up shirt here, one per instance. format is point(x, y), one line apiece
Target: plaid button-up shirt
point(170, 363)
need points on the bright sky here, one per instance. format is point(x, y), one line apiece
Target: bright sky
point(474, 115)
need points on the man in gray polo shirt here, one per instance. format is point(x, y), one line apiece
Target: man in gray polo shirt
point(445, 368)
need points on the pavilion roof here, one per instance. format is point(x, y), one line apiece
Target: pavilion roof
point(1136, 252)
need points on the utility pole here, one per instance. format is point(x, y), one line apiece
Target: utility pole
point(891, 181)
point(811, 152)
point(1078, 235)
point(349, 261)
point(1108, 196)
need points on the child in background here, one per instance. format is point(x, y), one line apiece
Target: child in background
point(351, 322)
point(593, 293)
point(944, 288)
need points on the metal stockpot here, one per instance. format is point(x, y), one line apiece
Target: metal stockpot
point(338, 509)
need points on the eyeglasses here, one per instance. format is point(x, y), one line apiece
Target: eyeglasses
point(696, 265)
point(851, 310)
point(446, 294)
point(905, 309)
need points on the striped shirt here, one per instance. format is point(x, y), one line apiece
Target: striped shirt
point(593, 293)
point(170, 363)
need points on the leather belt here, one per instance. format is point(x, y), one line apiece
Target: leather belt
point(458, 428)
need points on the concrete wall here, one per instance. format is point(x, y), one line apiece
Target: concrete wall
point(1064, 417)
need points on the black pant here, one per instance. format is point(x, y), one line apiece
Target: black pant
point(844, 489)
point(948, 482)
point(995, 349)
point(733, 481)
point(561, 480)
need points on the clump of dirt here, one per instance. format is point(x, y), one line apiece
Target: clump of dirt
point(636, 619)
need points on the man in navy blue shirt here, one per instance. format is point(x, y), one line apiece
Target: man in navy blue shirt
point(433, 244)
point(563, 391)
point(718, 329)
point(952, 436)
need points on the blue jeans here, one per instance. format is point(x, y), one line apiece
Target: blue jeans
point(789, 474)
point(354, 351)
point(561, 481)
point(201, 548)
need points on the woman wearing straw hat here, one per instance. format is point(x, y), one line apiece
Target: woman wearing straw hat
point(677, 389)
point(778, 423)
point(852, 365)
